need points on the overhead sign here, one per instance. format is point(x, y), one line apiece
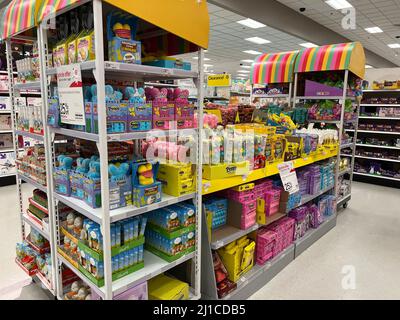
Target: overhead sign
point(219, 80)
point(70, 93)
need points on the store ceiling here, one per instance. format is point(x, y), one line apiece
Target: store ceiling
point(369, 13)
point(227, 42)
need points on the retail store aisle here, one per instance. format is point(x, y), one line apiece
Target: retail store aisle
point(367, 237)
point(12, 278)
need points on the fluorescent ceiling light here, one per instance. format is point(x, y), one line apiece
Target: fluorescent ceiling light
point(243, 71)
point(208, 65)
point(339, 4)
point(308, 45)
point(251, 23)
point(205, 59)
point(246, 67)
point(247, 60)
point(374, 30)
point(257, 40)
point(394, 45)
point(252, 52)
point(367, 66)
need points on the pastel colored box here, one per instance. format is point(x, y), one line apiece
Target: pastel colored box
point(92, 118)
point(117, 114)
point(184, 115)
point(76, 182)
point(120, 192)
point(145, 190)
point(168, 62)
point(92, 190)
point(163, 116)
point(62, 182)
point(139, 117)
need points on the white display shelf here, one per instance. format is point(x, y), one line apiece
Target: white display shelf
point(311, 197)
point(153, 266)
point(379, 118)
point(226, 234)
point(374, 132)
point(44, 282)
point(347, 145)
point(5, 111)
point(265, 96)
point(258, 276)
point(156, 84)
point(324, 121)
point(120, 213)
point(6, 131)
point(344, 199)
point(375, 146)
point(8, 175)
point(31, 135)
point(33, 85)
point(32, 182)
point(375, 176)
point(141, 71)
point(38, 227)
point(378, 159)
point(324, 98)
point(379, 105)
point(115, 137)
point(381, 90)
point(343, 172)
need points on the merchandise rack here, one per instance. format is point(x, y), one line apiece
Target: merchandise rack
point(371, 116)
point(16, 90)
point(102, 70)
point(352, 63)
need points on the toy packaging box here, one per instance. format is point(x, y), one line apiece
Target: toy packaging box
point(184, 115)
point(91, 117)
point(177, 179)
point(145, 189)
point(167, 62)
point(164, 287)
point(5, 104)
point(117, 115)
point(139, 117)
point(163, 115)
point(92, 192)
point(121, 32)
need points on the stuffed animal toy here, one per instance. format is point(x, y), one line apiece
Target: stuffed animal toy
point(64, 163)
point(94, 170)
point(118, 173)
point(145, 174)
point(82, 165)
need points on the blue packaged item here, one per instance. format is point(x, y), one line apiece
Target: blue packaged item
point(121, 32)
point(168, 62)
point(140, 254)
point(143, 222)
point(53, 114)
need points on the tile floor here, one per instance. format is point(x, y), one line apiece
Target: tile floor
point(366, 240)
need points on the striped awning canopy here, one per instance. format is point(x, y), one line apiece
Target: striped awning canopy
point(50, 7)
point(18, 16)
point(343, 56)
point(273, 68)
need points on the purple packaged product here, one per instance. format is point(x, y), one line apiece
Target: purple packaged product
point(92, 191)
point(136, 293)
point(62, 181)
point(301, 224)
point(316, 218)
point(140, 116)
point(117, 115)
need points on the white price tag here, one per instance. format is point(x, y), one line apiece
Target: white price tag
point(167, 71)
point(113, 66)
point(288, 176)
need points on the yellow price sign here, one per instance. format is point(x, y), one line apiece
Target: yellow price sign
point(219, 80)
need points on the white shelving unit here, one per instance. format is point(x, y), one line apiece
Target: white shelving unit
point(102, 71)
point(371, 115)
point(16, 90)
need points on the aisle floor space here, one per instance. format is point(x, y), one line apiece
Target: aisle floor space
point(364, 244)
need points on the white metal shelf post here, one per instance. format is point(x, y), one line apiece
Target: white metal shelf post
point(102, 145)
point(199, 166)
point(14, 122)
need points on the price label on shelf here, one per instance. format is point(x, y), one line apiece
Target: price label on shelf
point(288, 176)
point(70, 92)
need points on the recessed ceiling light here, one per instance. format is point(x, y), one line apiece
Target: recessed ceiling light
point(367, 66)
point(308, 45)
point(394, 45)
point(205, 59)
point(339, 4)
point(252, 52)
point(247, 60)
point(374, 30)
point(251, 23)
point(258, 40)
